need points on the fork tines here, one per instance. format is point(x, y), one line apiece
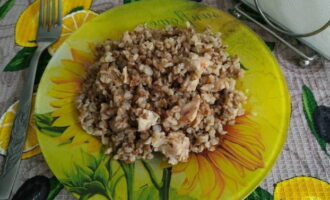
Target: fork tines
point(50, 14)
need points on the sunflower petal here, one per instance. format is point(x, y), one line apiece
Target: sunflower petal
point(219, 186)
point(206, 175)
point(92, 47)
point(240, 169)
point(242, 156)
point(244, 126)
point(74, 67)
point(181, 166)
point(65, 76)
point(82, 57)
point(72, 87)
point(69, 133)
point(225, 165)
point(94, 145)
point(81, 137)
point(254, 141)
point(187, 186)
point(66, 120)
point(60, 95)
point(243, 130)
point(251, 148)
point(62, 102)
point(191, 175)
point(67, 109)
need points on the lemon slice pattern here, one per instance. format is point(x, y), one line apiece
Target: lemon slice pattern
point(26, 26)
point(70, 24)
point(31, 146)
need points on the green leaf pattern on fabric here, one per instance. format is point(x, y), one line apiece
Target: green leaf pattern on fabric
point(271, 45)
point(309, 106)
point(76, 9)
point(243, 67)
point(55, 188)
point(21, 60)
point(129, 1)
point(260, 194)
point(4, 9)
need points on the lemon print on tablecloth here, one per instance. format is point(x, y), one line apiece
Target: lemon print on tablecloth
point(70, 24)
point(302, 188)
point(31, 146)
point(26, 26)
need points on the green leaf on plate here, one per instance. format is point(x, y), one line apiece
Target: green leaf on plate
point(55, 188)
point(82, 175)
point(85, 170)
point(90, 161)
point(129, 1)
point(146, 193)
point(69, 141)
point(44, 124)
point(45, 120)
point(76, 9)
point(309, 105)
point(271, 45)
point(243, 67)
point(52, 131)
point(114, 183)
point(94, 187)
point(67, 182)
point(260, 194)
point(4, 9)
point(175, 195)
point(149, 192)
point(21, 60)
point(101, 174)
point(77, 189)
point(151, 174)
point(90, 178)
point(109, 167)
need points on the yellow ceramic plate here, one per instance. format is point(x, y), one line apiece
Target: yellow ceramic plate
point(246, 155)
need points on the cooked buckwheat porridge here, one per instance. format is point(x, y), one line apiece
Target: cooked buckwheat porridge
point(169, 91)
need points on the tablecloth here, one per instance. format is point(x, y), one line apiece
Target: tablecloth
point(303, 168)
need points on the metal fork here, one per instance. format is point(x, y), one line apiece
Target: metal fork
point(49, 30)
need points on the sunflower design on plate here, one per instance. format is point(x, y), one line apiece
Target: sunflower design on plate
point(241, 149)
point(233, 170)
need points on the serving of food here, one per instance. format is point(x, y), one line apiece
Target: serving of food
point(167, 101)
point(170, 91)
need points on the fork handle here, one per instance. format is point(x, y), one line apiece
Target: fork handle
point(20, 127)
